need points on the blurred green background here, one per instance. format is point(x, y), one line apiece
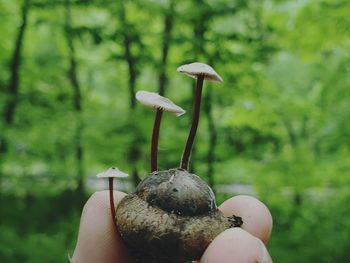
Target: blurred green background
point(277, 127)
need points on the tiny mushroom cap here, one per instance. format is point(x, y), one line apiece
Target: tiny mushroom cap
point(112, 172)
point(195, 69)
point(154, 100)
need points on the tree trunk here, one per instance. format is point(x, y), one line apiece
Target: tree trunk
point(168, 26)
point(13, 85)
point(212, 138)
point(15, 64)
point(77, 101)
point(134, 150)
point(130, 59)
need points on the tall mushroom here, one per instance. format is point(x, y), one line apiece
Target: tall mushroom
point(111, 173)
point(199, 71)
point(161, 104)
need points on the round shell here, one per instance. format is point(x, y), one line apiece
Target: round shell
point(172, 217)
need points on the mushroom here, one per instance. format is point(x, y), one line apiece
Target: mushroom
point(161, 104)
point(110, 174)
point(199, 71)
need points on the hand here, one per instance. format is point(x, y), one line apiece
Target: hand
point(98, 242)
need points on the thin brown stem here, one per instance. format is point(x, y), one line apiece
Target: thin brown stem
point(111, 201)
point(195, 120)
point(155, 139)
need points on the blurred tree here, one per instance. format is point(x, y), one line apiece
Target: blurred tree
point(77, 101)
point(12, 92)
point(168, 22)
point(130, 37)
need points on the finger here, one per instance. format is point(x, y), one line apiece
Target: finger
point(236, 245)
point(257, 219)
point(97, 239)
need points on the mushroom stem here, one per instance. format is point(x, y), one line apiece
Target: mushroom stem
point(111, 200)
point(155, 139)
point(195, 120)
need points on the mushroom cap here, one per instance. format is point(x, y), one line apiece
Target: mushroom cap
point(154, 100)
point(195, 69)
point(112, 172)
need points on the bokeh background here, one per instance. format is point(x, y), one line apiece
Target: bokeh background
point(277, 128)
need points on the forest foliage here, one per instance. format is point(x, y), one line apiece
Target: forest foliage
point(277, 127)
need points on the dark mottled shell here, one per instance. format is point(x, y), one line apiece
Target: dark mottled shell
point(172, 217)
point(177, 191)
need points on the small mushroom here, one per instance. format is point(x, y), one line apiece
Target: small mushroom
point(110, 174)
point(199, 71)
point(161, 104)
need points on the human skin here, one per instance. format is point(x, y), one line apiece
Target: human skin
point(97, 241)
